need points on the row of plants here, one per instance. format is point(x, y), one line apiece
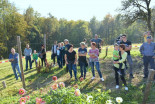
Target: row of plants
point(59, 94)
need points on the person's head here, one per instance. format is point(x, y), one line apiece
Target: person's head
point(93, 45)
point(66, 41)
point(120, 37)
point(96, 36)
point(13, 51)
point(116, 46)
point(55, 42)
point(85, 40)
point(59, 44)
point(82, 44)
point(42, 46)
point(149, 39)
point(122, 47)
point(35, 51)
point(124, 38)
point(71, 48)
point(62, 44)
point(27, 46)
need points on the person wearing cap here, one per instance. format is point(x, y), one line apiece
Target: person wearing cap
point(54, 51)
point(71, 59)
point(28, 53)
point(82, 53)
point(128, 47)
point(13, 58)
point(98, 42)
point(67, 46)
point(147, 49)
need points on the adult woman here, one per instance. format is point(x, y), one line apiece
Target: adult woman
point(43, 55)
point(71, 59)
point(116, 67)
point(94, 60)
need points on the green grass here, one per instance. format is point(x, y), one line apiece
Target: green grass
point(36, 81)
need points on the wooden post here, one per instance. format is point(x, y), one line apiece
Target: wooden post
point(45, 41)
point(20, 59)
point(4, 84)
point(148, 85)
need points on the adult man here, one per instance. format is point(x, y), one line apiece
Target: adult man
point(147, 50)
point(67, 46)
point(28, 53)
point(98, 42)
point(54, 51)
point(13, 58)
point(128, 47)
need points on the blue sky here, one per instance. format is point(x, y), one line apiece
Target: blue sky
point(71, 9)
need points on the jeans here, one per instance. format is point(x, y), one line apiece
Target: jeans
point(129, 59)
point(97, 64)
point(72, 66)
point(83, 68)
point(59, 61)
point(28, 59)
point(35, 62)
point(146, 61)
point(53, 57)
point(122, 76)
point(43, 61)
point(14, 67)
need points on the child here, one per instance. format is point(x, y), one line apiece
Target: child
point(35, 57)
point(116, 56)
point(59, 56)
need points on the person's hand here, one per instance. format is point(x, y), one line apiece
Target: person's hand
point(115, 62)
point(75, 62)
point(154, 57)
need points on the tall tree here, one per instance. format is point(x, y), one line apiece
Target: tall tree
point(137, 9)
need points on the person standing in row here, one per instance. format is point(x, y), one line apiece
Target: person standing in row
point(67, 46)
point(28, 53)
point(43, 55)
point(59, 56)
point(98, 42)
point(54, 52)
point(71, 59)
point(62, 51)
point(82, 53)
point(94, 60)
point(128, 47)
point(13, 58)
point(35, 58)
point(148, 51)
point(117, 66)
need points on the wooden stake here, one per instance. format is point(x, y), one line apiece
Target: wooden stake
point(4, 84)
point(45, 41)
point(20, 59)
point(148, 85)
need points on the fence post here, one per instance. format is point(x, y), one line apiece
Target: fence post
point(148, 85)
point(45, 41)
point(20, 59)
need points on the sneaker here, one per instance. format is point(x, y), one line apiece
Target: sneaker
point(76, 79)
point(53, 65)
point(93, 78)
point(117, 86)
point(145, 77)
point(126, 88)
point(102, 79)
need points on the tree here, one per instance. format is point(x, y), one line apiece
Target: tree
point(137, 9)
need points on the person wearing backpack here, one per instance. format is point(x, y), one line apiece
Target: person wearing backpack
point(116, 67)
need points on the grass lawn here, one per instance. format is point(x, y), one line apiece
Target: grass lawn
point(35, 82)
